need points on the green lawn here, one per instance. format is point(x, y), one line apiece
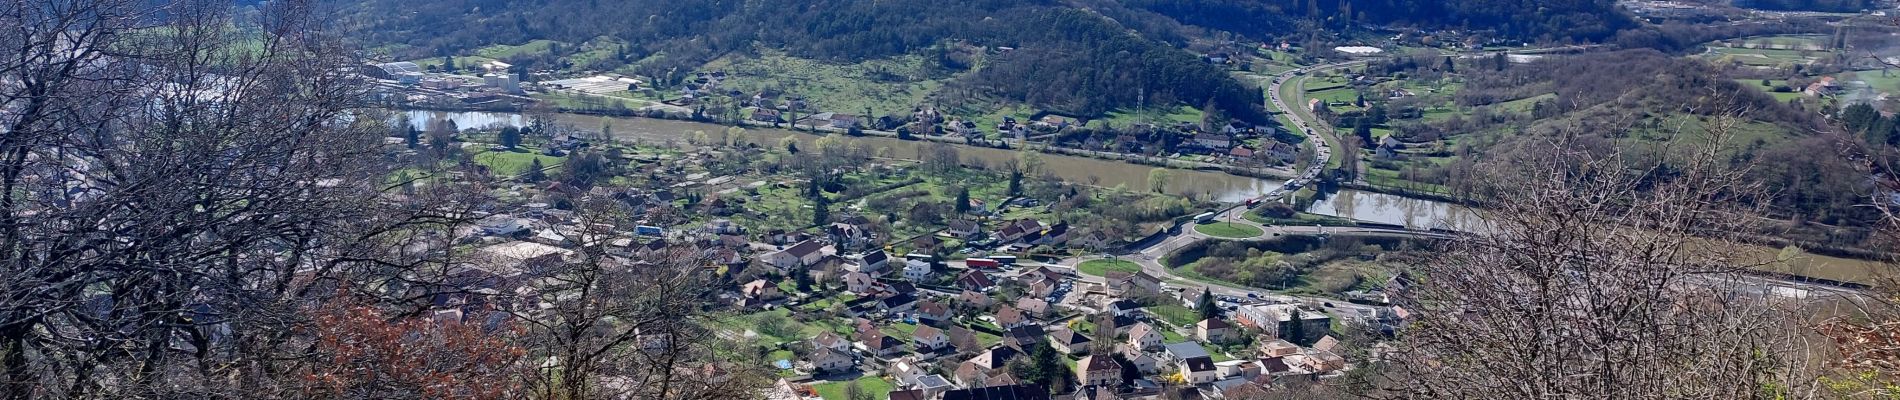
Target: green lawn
point(877, 387)
point(885, 85)
point(502, 51)
point(1177, 113)
point(1228, 230)
point(1102, 267)
point(514, 162)
point(1170, 336)
point(1215, 353)
point(1175, 314)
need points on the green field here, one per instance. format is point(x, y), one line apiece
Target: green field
point(1763, 57)
point(502, 51)
point(1175, 314)
point(1770, 89)
point(883, 86)
point(877, 387)
point(514, 162)
point(1228, 230)
point(1102, 267)
point(1157, 115)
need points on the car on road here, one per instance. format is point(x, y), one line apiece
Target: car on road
point(1253, 295)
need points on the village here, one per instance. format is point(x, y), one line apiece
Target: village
point(931, 279)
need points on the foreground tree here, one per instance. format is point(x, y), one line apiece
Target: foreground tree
point(1599, 273)
point(613, 327)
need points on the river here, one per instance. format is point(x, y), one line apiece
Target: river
point(1394, 209)
point(1200, 184)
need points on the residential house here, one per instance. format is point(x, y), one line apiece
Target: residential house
point(1094, 240)
point(1243, 389)
point(1245, 369)
point(906, 394)
point(760, 289)
point(1278, 348)
point(802, 254)
point(827, 360)
point(964, 229)
point(974, 299)
point(1123, 283)
point(901, 302)
point(974, 280)
point(848, 236)
point(926, 244)
point(1056, 234)
point(1213, 141)
point(1010, 318)
point(859, 283)
point(1281, 152)
point(1213, 330)
point(1033, 307)
point(1019, 229)
point(1098, 371)
point(876, 343)
point(1197, 370)
point(873, 262)
point(1024, 337)
point(932, 311)
point(1121, 307)
point(1325, 361)
point(1282, 366)
point(828, 340)
point(844, 121)
point(767, 115)
point(1241, 153)
point(1175, 352)
point(931, 385)
point(1141, 360)
point(1069, 341)
point(916, 270)
point(929, 338)
point(1044, 288)
point(905, 370)
point(1009, 392)
point(1144, 337)
point(1044, 272)
point(962, 338)
point(1098, 393)
point(1327, 344)
point(973, 371)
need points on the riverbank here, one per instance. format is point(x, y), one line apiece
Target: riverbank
point(1005, 144)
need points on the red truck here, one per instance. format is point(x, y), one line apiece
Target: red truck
point(982, 263)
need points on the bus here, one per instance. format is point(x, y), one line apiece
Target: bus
point(1004, 260)
point(1205, 217)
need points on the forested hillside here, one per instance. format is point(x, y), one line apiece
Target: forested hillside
point(1809, 5)
point(1081, 58)
point(1552, 20)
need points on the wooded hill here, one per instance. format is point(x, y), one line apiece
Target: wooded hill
point(1083, 58)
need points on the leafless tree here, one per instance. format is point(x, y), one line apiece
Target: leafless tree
point(633, 328)
point(182, 186)
point(1599, 273)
